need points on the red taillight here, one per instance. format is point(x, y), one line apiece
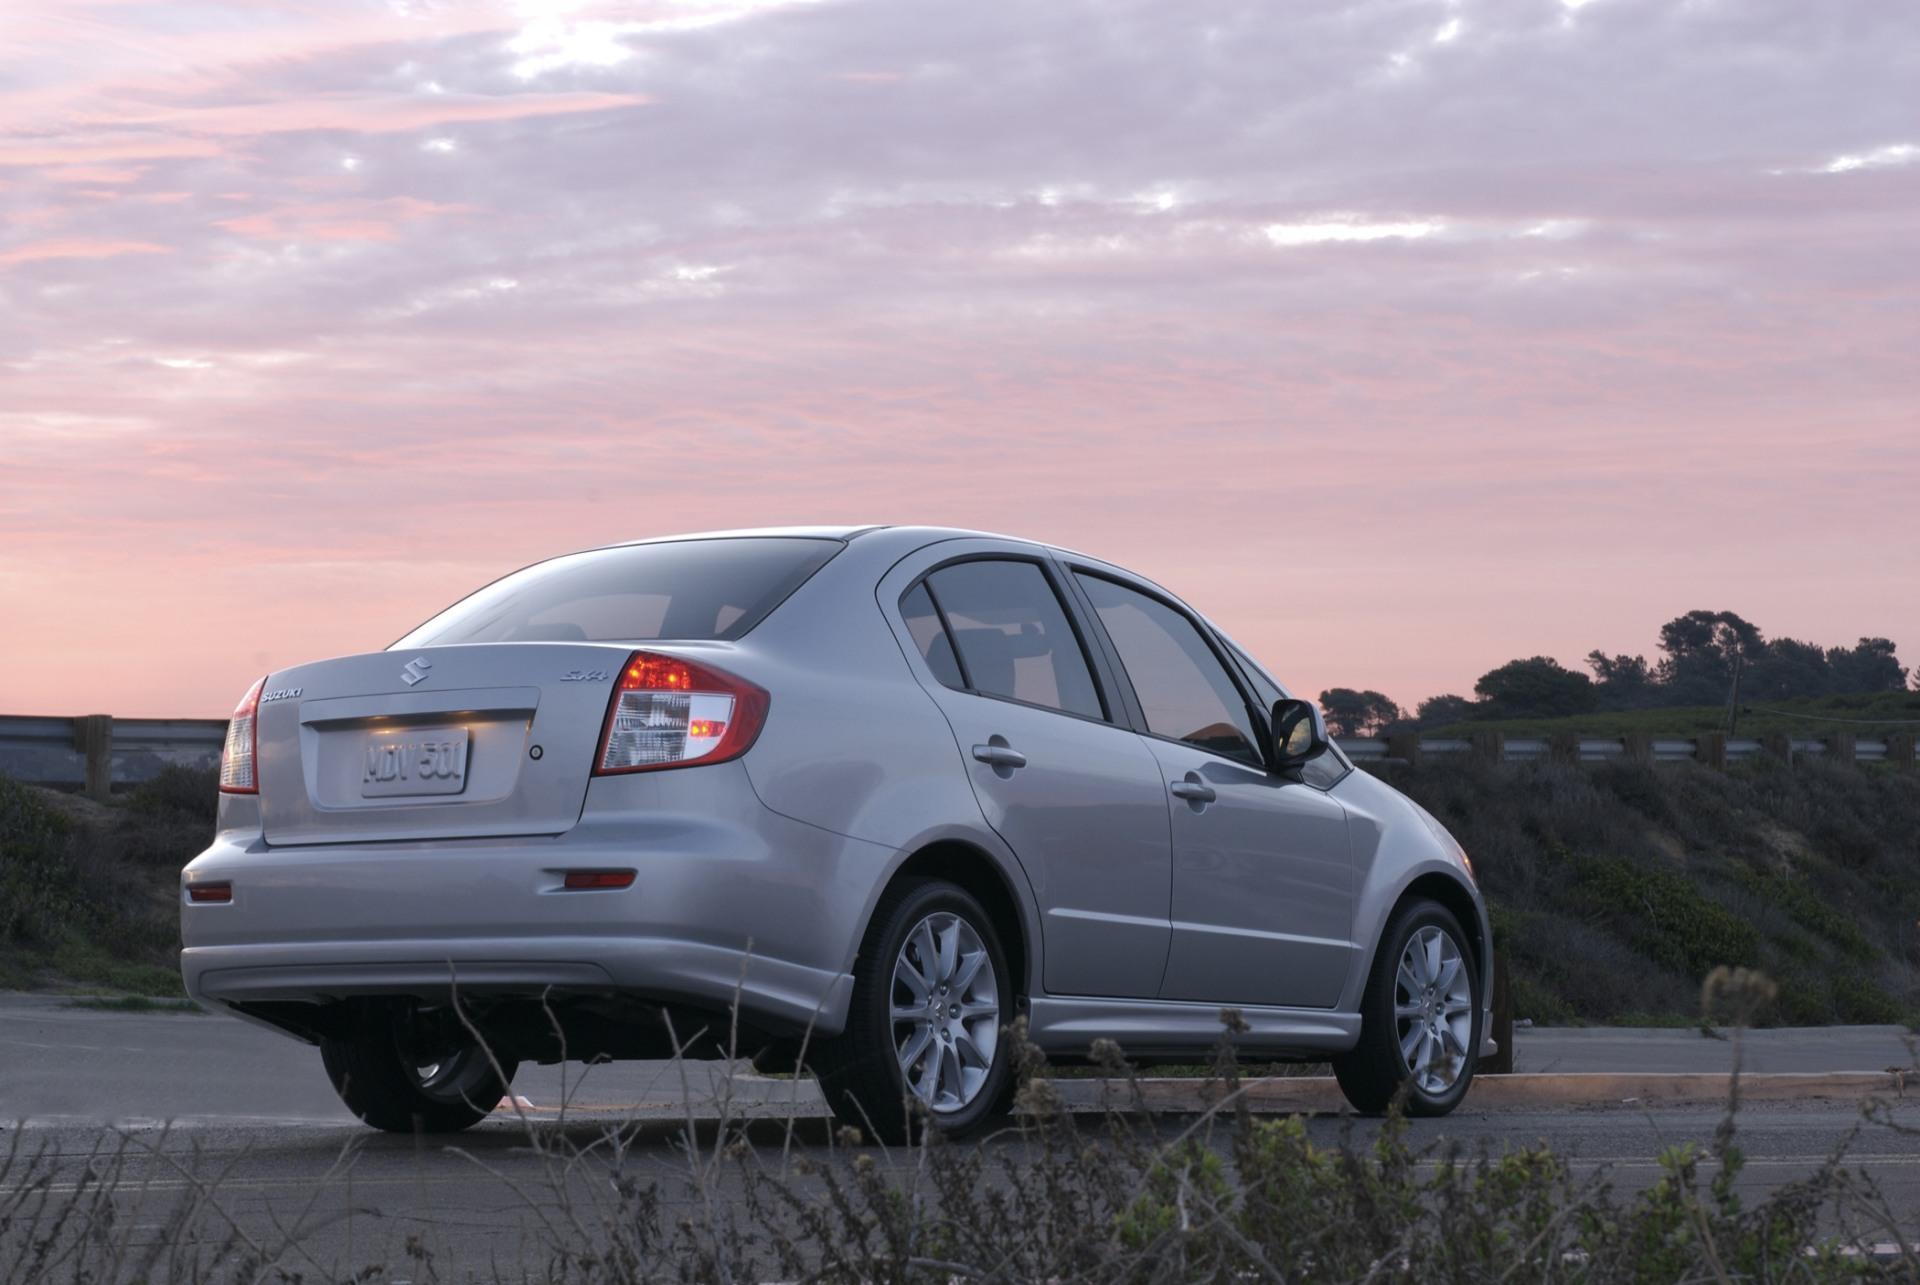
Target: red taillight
point(669, 712)
point(238, 773)
point(209, 893)
point(599, 879)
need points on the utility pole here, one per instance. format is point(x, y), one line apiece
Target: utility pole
point(1733, 693)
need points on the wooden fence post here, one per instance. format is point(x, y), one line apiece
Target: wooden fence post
point(1405, 746)
point(93, 737)
point(1778, 744)
point(1489, 747)
point(1900, 749)
point(1840, 748)
point(1639, 747)
point(1710, 749)
point(1564, 747)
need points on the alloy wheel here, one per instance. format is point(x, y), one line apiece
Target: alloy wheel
point(1433, 1010)
point(944, 1009)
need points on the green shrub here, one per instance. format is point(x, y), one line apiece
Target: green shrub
point(38, 897)
point(1856, 998)
point(187, 793)
point(95, 902)
point(1666, 914)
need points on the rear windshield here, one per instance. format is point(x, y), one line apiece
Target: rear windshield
point(684, 589)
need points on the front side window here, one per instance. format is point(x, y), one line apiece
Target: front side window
point(678, 589)
point(1013, 637)
point(1184, 691)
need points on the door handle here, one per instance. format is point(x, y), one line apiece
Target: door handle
point(1000, 756)
point(1192, 791)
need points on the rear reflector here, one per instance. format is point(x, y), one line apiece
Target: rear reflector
point(668, 712)
point(237, 773)
point(209, 892)
point(599, 878)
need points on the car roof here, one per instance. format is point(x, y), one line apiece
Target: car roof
point(839, 532)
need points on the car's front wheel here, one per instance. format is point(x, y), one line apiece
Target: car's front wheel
point(411, 1070)
point(924, 1035)
point(1420, 1017)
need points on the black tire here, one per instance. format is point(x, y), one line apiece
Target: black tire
point(1375, 1071)
point(377, 1073)
point(860, 1072)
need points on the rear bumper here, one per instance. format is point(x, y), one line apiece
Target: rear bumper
point(774, 993)
point(730, 902)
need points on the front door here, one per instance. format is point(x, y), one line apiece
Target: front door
point(1262, 876)
point(1077, 797)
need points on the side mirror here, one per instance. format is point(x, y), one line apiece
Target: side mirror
point(1298, 734)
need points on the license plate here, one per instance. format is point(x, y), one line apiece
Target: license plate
point(423, 760)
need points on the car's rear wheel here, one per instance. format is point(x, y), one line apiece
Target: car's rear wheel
point(924, 1042)
point(415, 1070)
point(1420, 1017)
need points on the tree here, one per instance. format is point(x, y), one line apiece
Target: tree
point(1869, 666)
point(1789, 669)
point(1438, 711)
point(1621, 682)
point(1356, 713)
point(1538, 687)
point(1701, 648)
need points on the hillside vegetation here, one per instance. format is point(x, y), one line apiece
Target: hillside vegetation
point(1615, 888)
point(89, 893)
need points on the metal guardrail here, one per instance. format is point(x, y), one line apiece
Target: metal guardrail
point(97, 752)
point(1713, 749)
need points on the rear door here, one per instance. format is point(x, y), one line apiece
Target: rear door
point(1262, 876)
point(1076, 796)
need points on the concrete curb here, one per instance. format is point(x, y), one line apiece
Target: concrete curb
point(1321, 1094)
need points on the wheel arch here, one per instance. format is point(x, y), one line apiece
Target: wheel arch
point(973, 868)
point(1460, 900)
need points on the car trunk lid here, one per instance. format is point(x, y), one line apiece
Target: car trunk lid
point(486, 739)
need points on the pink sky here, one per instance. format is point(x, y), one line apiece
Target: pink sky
point(1401, 337)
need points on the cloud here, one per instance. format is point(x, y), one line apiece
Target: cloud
point(369, 113)
point(345, 220)
point(37, 251)
point(1325, 231)
point(1876, 158)
point(1527, 342)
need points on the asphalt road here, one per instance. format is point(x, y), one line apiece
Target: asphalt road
point(59, 1063)
point(254, 1111)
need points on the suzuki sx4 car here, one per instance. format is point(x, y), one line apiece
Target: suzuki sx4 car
point(857, 799)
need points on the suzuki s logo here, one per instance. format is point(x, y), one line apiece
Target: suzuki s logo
point(415, 671)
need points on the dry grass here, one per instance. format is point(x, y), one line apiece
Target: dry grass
point(1113, 1197)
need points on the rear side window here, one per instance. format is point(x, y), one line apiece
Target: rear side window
point(923, 622)
point(1184, 690)
point(1013, 637)
point(698, 590)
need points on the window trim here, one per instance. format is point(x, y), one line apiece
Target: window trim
point(1260, 761)
point(1096, 670)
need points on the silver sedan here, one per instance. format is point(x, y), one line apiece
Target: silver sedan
point(853, 799)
